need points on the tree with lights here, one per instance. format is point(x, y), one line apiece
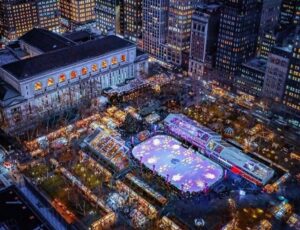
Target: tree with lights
point(131, 124)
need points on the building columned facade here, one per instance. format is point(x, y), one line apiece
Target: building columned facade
point(64, 77)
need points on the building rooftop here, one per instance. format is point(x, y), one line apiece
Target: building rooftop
point(80, 36)
point(141, 55)
point(257, 64)
point(6, 57)
point(17, 51)
point(283, 51)
point(285, 48)
point(140, 52)
point(7, 92)
point(204, 8)
point(69, 55)
point(238, 158)
point(203, 137)
point(45, 40)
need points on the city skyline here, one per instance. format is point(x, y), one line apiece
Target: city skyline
point(150, 114)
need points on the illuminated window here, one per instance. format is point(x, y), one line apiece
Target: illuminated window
point(114, 61)
point(123, 58)
point(73, 74)
point(84, 71)
point(50, 82)
point(94, 68)
point(38, 86)
point(62, 78)
point(104, 64)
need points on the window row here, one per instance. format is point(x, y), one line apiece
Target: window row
point(73, 74)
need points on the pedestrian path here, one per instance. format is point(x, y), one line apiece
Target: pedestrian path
point(4, 180)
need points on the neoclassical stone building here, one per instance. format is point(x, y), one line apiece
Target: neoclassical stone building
point(61, 72)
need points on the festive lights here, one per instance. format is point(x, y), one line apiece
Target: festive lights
point(184, 168)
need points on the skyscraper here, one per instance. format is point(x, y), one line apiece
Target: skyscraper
point(269, 15)
point(179, 29)
point(77, 13)
point(250, 79)
point(297, 13)
point(238, 32)
point(17, 17)
point(204, 38)
point(108, 16)
point(267, 39)
point(49, 15)
point(288, 13)
point(292, 89)
point(155, 23)
point(132, 19)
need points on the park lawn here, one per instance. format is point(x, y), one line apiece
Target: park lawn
point(55, 187)
point(37, 171)
point(87, 176)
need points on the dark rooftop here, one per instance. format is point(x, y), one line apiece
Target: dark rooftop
point(283, 51)
point(257, 64)
point(39, 64)
point(6, 57)
point(16, 212)
point(80, 36)
point(140, 52)
point(206, 8)
point(7, 92)
point(16, 50)
point(45, 40)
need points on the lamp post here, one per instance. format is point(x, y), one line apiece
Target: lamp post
point(141, 158)
point(153, 169)
point(206, 190)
